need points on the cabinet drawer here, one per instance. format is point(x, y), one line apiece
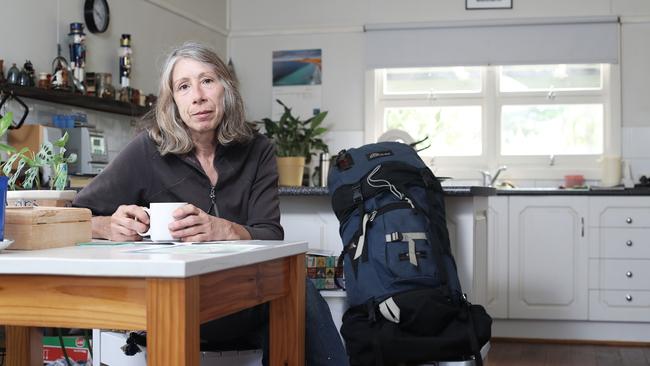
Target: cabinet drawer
point(619, 274)
point(631, 243)
point(625, 217)
point(619, 305)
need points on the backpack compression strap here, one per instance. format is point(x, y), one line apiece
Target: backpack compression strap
point(410, 238)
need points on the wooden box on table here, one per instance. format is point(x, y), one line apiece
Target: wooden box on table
point(47, 227)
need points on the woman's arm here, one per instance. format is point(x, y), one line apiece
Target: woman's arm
point(123, 225)
point(264, 204)
point(193, 224)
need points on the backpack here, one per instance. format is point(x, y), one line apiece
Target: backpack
point(406, 304)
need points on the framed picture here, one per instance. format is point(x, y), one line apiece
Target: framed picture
point(488, 4)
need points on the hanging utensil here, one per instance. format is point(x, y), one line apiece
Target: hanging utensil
point(10, 95)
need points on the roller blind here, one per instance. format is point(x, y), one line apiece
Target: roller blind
point(495, 42)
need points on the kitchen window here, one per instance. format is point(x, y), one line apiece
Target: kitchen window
point(542, 121)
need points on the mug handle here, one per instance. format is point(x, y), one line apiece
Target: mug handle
point(146, 209)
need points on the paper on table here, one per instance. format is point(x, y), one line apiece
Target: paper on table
point(221, 248)
point(103, 242)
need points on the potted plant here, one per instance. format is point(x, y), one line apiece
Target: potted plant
point(296, 141)
point(29, 164)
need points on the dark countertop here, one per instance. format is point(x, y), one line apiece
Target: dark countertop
point(638, 191)
point(460, 191)
point(449, 191)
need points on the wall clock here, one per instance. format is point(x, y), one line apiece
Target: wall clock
point(96, 15)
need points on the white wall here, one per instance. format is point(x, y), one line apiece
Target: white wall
point(259, 27)
point(29, 29)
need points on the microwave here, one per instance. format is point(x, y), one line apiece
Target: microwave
point(91, 149)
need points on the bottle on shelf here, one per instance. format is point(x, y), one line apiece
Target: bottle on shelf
point(105, 87)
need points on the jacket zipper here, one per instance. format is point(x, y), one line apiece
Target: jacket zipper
point(213, 197)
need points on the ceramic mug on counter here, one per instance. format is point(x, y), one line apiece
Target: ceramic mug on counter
point(160, 216)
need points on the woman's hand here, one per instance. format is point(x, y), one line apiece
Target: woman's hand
point(193, 224)
point(126, 222)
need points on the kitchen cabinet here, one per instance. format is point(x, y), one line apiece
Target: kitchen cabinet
point(310, 217)
point(619, 259)
point(467, 225)
point(548, 257)
point(496, 288)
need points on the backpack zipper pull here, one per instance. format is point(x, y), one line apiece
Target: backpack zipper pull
point(409, 202)
point(372, 216)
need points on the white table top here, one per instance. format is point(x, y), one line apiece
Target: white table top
point(146, 260)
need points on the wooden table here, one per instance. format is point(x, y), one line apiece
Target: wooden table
point(154, 288)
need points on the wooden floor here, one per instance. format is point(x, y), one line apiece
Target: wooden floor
point(504, 353)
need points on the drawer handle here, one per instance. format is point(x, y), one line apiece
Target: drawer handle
point(628, 297)
point(628, 220)
point(629, 243)
point(628, 274)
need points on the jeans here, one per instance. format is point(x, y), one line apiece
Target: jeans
point(249, 329)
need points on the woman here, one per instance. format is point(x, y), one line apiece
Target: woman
point(199, 149)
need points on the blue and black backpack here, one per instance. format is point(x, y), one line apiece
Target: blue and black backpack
point(406, 304)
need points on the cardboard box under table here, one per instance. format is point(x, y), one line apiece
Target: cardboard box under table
point(47, 227)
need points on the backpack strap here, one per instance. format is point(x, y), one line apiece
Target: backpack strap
point(339, 264)
point(443, 236)
point(360, 237)
point(390, 310)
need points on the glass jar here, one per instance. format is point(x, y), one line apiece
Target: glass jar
point(104, 85)
point(43, 80)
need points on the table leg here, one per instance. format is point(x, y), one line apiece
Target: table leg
point(24, 346)
point(287, 319)
point(173, 322)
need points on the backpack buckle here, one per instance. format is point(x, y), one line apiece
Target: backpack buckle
point(357, 196)
point(395, 236)
point(344, 160)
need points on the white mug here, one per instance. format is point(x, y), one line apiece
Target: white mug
point(160, 216)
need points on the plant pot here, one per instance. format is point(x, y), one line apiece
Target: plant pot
point(44, 197)
point(290, 170)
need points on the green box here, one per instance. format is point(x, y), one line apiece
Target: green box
point(77, 348)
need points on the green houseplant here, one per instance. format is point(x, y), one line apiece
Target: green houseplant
point(296, 141)
point(30, 163)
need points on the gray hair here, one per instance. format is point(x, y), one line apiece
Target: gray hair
point(168, 129)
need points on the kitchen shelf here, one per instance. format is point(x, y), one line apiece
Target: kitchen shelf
point(77, 100)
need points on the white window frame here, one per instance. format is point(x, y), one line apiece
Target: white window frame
point(491, 100)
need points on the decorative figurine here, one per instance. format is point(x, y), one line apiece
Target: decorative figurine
point(125, 60)
point(13, 74)
point(27, 77)
point(77, 50)
point(59, 79)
